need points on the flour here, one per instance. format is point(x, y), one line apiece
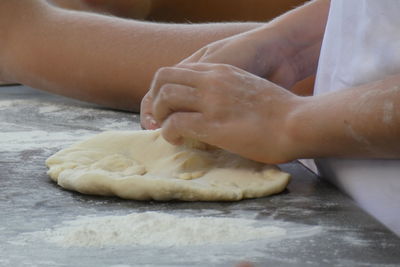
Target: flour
point(39, 124)
point(355, 241)
point(388, 112)
point(37, 139)
point(49, 109)
point(156, 229)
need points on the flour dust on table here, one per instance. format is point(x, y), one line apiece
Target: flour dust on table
point(155, 229)
point(141, 165)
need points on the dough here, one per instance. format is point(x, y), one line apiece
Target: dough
point(141, 165)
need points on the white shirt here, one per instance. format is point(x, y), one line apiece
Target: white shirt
point(361, 45)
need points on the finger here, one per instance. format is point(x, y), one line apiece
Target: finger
point(175, 98)
point(176, 75)
point(195, 57)
point(147, 120)
point(198, 66)
point(211, 67)
point(180, 125)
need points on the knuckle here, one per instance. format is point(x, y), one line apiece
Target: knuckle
point(223, 68)
point(220, 74)
point(169, 129)
point(162, 72)
point(166, 133)
point(166, 92)
point(166, 89)
point(173, 122)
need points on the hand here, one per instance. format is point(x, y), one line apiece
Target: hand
point(147, 120)
point(226, 107)
point(266, 56)
point(261, 52)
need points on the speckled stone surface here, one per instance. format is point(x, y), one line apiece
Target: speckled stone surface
point(325, 228)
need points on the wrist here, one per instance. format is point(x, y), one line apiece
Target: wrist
point(298, 129)
point(300, 32)
point(285, 131)
point(274, 55)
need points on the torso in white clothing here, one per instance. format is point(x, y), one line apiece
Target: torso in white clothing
point(361, 45)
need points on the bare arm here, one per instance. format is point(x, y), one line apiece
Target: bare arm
point(134, 9)
point(363, 121)
point(255, 118)
point(232, 109)
point(96, 58)
point(283, 51)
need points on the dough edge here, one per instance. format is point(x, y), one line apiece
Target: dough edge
point(135, 187)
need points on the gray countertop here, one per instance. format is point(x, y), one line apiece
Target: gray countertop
point(325, 228)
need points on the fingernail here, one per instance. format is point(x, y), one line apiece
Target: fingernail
point(152, 122)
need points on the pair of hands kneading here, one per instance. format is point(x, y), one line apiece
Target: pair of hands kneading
point(219, 104)
point(224, 105)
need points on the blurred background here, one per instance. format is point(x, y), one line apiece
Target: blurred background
point(187, 10)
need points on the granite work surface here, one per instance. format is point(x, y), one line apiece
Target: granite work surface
point(325, 228)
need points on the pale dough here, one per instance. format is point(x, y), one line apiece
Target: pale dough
point(142, 165)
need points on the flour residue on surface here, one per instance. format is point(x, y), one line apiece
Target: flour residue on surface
point(355, 241)
point(48, 125)
point(35, 139)
point(156, 229)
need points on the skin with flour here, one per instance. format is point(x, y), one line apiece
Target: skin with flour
point(50, 57)
point(282, 51)
point(232, 103)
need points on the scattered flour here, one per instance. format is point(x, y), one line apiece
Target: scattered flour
point(36, 139)
point(49, 109)
point(355, 241)
point(156, 229)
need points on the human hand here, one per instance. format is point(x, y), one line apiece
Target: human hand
point(227, 107)
point(147, 120)
point(266, 56)
point(263, 53)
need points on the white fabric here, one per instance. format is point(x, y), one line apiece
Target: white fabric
point(362, 44)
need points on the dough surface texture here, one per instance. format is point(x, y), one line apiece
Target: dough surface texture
point(141, 165)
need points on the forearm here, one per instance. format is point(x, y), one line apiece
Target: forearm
point(357, 122)
point(71, 4)
point(299, 35)
point(134, 9)
point(101, 59)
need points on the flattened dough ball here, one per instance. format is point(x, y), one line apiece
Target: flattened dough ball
point(141, 165)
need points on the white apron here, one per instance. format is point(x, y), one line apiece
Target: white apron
point(362, 44)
